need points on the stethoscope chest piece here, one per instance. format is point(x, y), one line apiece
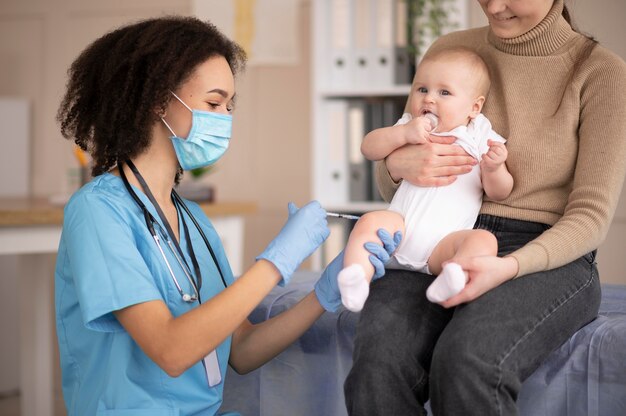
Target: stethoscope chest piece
point(189, 298)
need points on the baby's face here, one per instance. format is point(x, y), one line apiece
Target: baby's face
point(447, 88)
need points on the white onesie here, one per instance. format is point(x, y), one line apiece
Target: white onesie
point(430, 214)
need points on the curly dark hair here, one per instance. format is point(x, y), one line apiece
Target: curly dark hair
point(121, 82)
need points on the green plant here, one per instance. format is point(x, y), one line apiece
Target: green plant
point(198, 172)
point(427, 20)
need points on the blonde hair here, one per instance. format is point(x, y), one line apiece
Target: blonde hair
point(469, 57)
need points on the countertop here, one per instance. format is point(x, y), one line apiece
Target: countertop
point(16, 212)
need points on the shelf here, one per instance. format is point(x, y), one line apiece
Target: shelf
point(391, 91)
point(361, 80)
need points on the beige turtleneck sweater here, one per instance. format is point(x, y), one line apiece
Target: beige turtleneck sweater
point(566, 136)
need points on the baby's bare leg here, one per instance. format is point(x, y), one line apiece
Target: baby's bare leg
point(451, 278)
point(365, 231)
point(355, 278)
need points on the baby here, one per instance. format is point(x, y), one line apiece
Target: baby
point(447, 97)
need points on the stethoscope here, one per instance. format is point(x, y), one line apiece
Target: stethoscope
point(171, 239)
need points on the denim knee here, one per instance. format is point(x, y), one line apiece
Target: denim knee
point(456, 360)
point(385, 383)
point(392, 347)
point(378, 369)
point(461, 377)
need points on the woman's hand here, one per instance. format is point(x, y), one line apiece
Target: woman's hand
point(429, 164)
point(484, 274)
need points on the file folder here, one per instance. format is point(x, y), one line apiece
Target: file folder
point(376, 121)
point(362, 41)
point(340, 43)
point(359, 174)
point(404, 65)
point(382, 50)
point(332, 160)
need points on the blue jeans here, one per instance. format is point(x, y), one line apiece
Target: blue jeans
point(472, 359)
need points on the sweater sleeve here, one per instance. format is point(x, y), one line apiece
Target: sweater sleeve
point(386, 185)
point(600, 169)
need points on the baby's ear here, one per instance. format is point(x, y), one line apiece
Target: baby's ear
point(477, 107)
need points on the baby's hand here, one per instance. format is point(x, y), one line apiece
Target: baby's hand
point(417, 130)
point(495, 156)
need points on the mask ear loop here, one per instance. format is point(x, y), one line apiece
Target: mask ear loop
point(183, 103)
point(168, 127)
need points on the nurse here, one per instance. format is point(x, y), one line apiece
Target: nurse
point(148, 312)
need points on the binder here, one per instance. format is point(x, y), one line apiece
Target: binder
point(376, 121)
point(404, 66)
point(363, 41)
point(381, 113)
point(332, 160)
point(382, 48)
point(368, 43)
point(393, 109)
point(340, 43)
point(390, 60)
point(358, 181)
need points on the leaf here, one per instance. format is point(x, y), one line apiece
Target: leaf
point(198, 172)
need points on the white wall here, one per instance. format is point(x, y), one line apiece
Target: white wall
point(604, 19)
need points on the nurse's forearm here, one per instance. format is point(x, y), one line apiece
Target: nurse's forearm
point(209, 325)
point(255, 345)
point(176, 344)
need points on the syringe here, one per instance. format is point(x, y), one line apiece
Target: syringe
point(345, 216)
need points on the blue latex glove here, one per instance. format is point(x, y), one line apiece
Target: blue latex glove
point(305, 229)
point(327, 288)
point(380, 255)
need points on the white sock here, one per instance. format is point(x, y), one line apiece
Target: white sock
point(353, 287)
point(450, 282)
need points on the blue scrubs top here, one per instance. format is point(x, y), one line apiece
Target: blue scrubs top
point(108, 260)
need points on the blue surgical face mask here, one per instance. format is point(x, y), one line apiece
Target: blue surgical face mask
point(207, 140)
